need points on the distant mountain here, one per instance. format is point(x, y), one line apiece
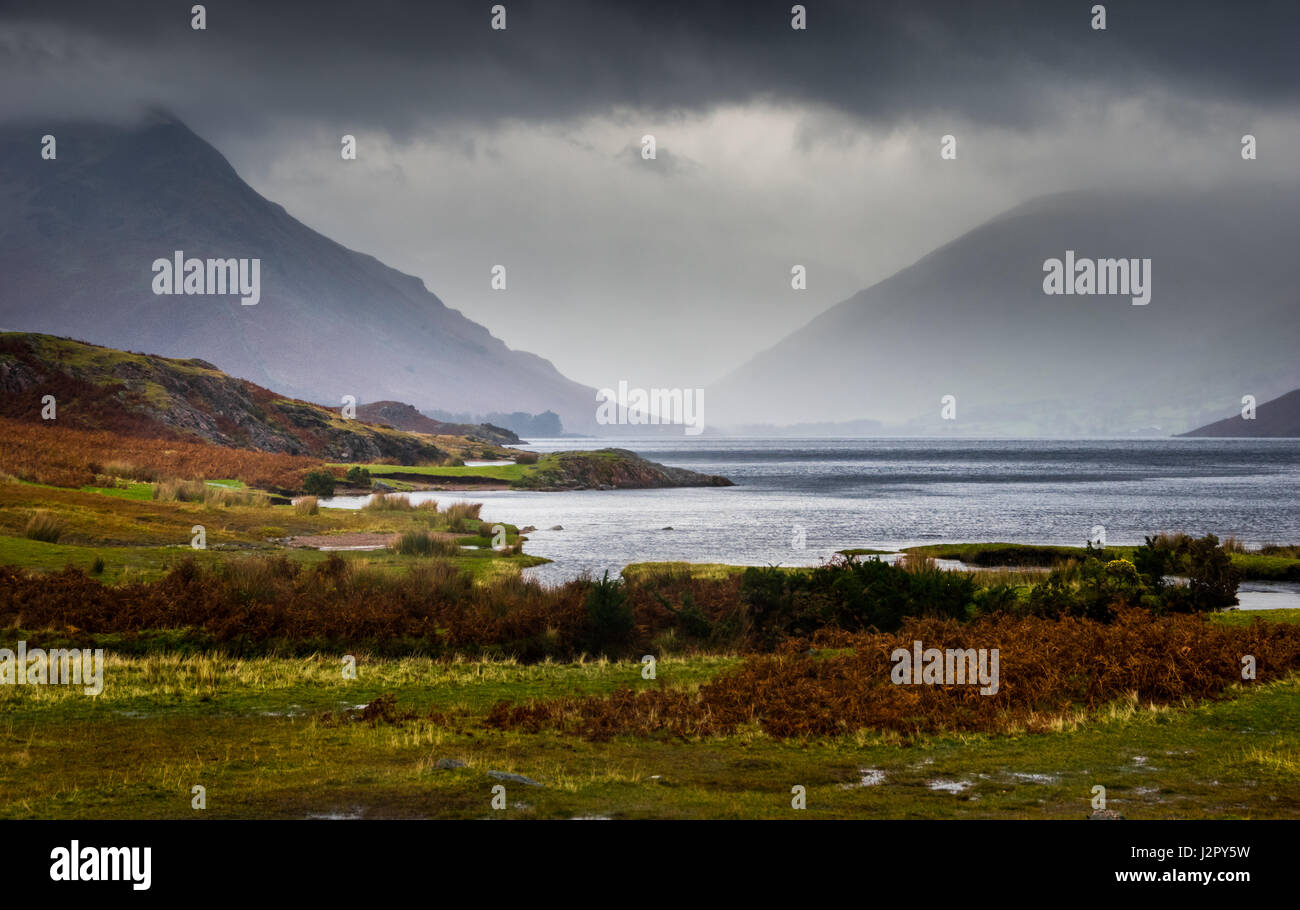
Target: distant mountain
point(971, 320)
point(79, 235)
point(1277, 418)
point(403, 416)
point(99, 388)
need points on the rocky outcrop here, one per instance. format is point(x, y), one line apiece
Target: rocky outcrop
point(402, 416)
point(610, 469)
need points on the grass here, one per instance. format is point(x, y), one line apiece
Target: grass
point(43, 527)
point(508, 472)
point(705, 571)
point(139, 538)
point(1254, 566)
point(251, 732)
point(424, 543)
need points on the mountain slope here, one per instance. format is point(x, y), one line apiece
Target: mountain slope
point(79, 235)
point(402, 416)
point(99, 388)
point(1277, 418)
point(971, 320)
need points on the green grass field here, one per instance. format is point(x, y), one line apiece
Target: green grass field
point(252, 733)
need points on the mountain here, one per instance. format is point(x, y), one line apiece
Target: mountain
point(1277, 418)
point(79, 236)
point(402, 416)
point(99, 388)
point(971, 320)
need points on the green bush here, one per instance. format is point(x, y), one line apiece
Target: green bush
point(319, 483)
point(609, 618)
point(851, 594)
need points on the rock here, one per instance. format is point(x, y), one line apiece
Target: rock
point(380, 487)
point(1104, 815)
point(669, 528)
point(527, 530)
point(448, 764)
point(514, 778)
point(558, 528)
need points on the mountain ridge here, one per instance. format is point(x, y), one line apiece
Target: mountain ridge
point(94, 387)
point(970, 319)
point(78, 235)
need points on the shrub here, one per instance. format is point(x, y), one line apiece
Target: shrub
point(1049, 671)
point(853, 594)
point(526, 458)
point(358, 476)
point(1212, 577)
point(68, 457)
point(609, 618)
point(44, 526)
point(319, 483)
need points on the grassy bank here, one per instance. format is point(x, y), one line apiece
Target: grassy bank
point(1254, 566)
point(123, 534)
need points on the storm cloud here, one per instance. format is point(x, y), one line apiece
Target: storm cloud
point(776, 147)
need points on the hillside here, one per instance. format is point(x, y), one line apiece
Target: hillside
point(401, 416)
point(79, 235)
point(1277, 418)
point(100, 388)
point(972, 320)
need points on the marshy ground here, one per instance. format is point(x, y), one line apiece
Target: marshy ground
point(284, 738)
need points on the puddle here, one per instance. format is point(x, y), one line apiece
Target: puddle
point(949, 786)
point(1032, 778)
point(870, 777)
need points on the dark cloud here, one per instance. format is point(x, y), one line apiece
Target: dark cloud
point(775, 147)
point(400, 65)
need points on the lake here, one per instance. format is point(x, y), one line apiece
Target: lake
point(797, 501)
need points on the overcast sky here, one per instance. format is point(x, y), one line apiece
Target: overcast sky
point(775, 147)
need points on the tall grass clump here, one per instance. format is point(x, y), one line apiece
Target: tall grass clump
point(307, 505)
point(388, 502)
point(224, 497)
point(424, 543)
point(44, 526)
point(173, 490)
point(459, 513)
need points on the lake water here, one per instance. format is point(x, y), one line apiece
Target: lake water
point(797, 501)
